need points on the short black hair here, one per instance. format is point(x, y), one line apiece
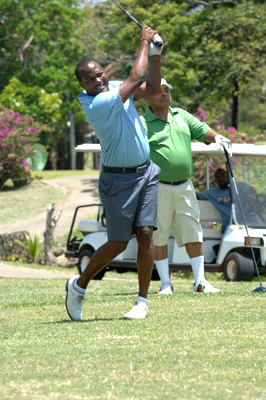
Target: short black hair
point(218, 170)
point(80, 65)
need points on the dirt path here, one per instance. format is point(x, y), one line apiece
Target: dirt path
point(81, 189)
point(12, 271)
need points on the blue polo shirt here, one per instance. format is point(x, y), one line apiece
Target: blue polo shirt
point(221, 199)
point(117, 125)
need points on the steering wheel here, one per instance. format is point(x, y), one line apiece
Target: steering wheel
point(260, 199)
point(255, 204)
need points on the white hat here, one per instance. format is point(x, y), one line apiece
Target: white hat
point(163, 82)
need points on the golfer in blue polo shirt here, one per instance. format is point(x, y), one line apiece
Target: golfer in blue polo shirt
point(128, 183)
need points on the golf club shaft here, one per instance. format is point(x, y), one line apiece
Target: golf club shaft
point(227, 161)
point(132, 18)
point(128, 14)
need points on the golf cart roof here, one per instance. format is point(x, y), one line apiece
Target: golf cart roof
point(88, 147)
point(239, 149)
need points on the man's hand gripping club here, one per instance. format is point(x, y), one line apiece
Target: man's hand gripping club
point(155, 42)
point(223, 142)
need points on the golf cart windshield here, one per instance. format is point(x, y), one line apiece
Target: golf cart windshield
point(248, 163)
point(250, 180)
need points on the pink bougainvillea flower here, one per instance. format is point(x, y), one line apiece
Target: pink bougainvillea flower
point(25, 162)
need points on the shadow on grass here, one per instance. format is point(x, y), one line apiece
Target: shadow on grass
point(67, 321)
point(151, 292)
point(120, 294)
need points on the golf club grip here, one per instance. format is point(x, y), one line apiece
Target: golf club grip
point(228, 161)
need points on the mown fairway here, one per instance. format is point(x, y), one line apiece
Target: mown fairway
point(192, 346)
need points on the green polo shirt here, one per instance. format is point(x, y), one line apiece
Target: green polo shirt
point(170, 142)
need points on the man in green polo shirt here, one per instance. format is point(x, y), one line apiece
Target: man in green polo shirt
point(170, 131)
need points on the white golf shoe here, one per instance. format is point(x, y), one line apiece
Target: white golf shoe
point(138, 311)
point(74, 300)
point(205, 287)
point(166, 288)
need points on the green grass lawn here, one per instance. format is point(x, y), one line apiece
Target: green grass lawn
point(192, 346)
point(26, 201)
point(61, 173)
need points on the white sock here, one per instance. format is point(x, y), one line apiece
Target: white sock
point(197, 264)
point(142, 300)
point(163, 269)
point(77, 288)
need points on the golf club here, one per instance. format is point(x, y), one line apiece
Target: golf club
point(132, 18)
point(229, 169)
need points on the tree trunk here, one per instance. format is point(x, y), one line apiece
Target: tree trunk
point(72, 140)
point(62, 154)
point(235, 104)
point(96, 156)
point(49, 233)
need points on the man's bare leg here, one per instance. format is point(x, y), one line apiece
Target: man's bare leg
point(76, 287)
point(161, 252)
point(145, 258)
point(102, 256)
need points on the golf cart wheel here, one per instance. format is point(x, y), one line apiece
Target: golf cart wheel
point(84, 259)
point(238, 267)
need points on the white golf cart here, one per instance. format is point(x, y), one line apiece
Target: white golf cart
point(227, 252)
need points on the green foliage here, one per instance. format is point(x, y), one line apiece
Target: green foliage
point(44, 107)
point(17, 135)
point(220, 46)
point(37, 41)
point(40, 45)
point(33, 247)
point(16, 258)
point(252, 105)
point(208, 49)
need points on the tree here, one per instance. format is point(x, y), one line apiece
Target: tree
point(35, 101)
point(223, 47)
point(212, 49)
point(40, 46)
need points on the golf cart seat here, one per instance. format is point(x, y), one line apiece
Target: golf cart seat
point(86, 227)
point(210, 213)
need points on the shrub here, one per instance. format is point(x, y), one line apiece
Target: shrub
point(17, 135)
point(33, 247)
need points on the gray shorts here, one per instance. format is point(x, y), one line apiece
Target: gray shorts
point(130, 200)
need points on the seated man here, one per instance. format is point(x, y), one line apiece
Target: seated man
point(220, 197)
